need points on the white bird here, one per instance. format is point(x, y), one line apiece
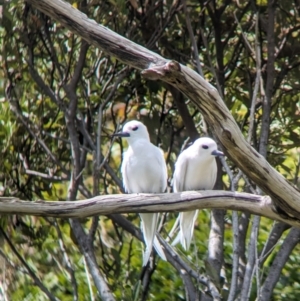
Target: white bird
point(195, 169)
point(144, 170)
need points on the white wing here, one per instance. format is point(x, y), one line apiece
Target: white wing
point(179, 185)
point(179, 176)
point(187, 224)
point(124, 171)
point(186, 219)
point(159, 155)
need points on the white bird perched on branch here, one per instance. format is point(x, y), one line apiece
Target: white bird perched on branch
point(144, 170)
point(195, 169)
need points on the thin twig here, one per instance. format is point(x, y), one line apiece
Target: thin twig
point(257, 81)
point(272, 241)
point(246, 287)
point(219, 88)
point(236, 238)
point(192, 37)
point(92, 298)
point(46, 176)
point(31, 273)
point(252, 249)
point(89, 256)
point(243, 34)
point(278, 263)
point(67, 261)
point(183, 269)
point(26, 122)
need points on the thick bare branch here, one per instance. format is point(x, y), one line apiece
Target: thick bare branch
point(142, 202)
point(202, 94)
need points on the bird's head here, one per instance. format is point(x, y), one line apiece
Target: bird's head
point(133, 131)
point(207, 147)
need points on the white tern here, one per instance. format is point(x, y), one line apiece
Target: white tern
point(144, 170)
point(195, 169)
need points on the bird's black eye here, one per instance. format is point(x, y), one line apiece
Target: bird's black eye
point(135, 128)
point(205, 146)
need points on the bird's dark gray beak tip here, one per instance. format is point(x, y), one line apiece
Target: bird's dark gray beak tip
point(217, 153)
point(121, 134)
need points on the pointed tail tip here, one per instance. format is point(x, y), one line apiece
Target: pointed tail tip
point(185, 243)
point(146, 256)
point(186, 246)
point(159, 249)
point(176, 240)
point(162, 255)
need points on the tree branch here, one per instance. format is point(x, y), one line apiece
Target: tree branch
point(267, 99)
point(273, 239)
point(87, 250)
point(201, 93)
point(183, 110)
point(30, 272)
point(280, 260)
point(142, 202)
point(67, 262)
point(252, 260)
point(192, 37)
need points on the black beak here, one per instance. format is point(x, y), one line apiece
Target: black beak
point(121, 134)
point(217, 153)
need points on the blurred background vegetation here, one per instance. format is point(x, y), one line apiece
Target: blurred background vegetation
point(46, 68)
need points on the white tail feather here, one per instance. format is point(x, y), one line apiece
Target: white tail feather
point(173, 230)
point(159, 249)
point(187, 222)
point(177, 239)
point(149, 226)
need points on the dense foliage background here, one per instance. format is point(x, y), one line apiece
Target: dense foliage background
point(61, 99)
